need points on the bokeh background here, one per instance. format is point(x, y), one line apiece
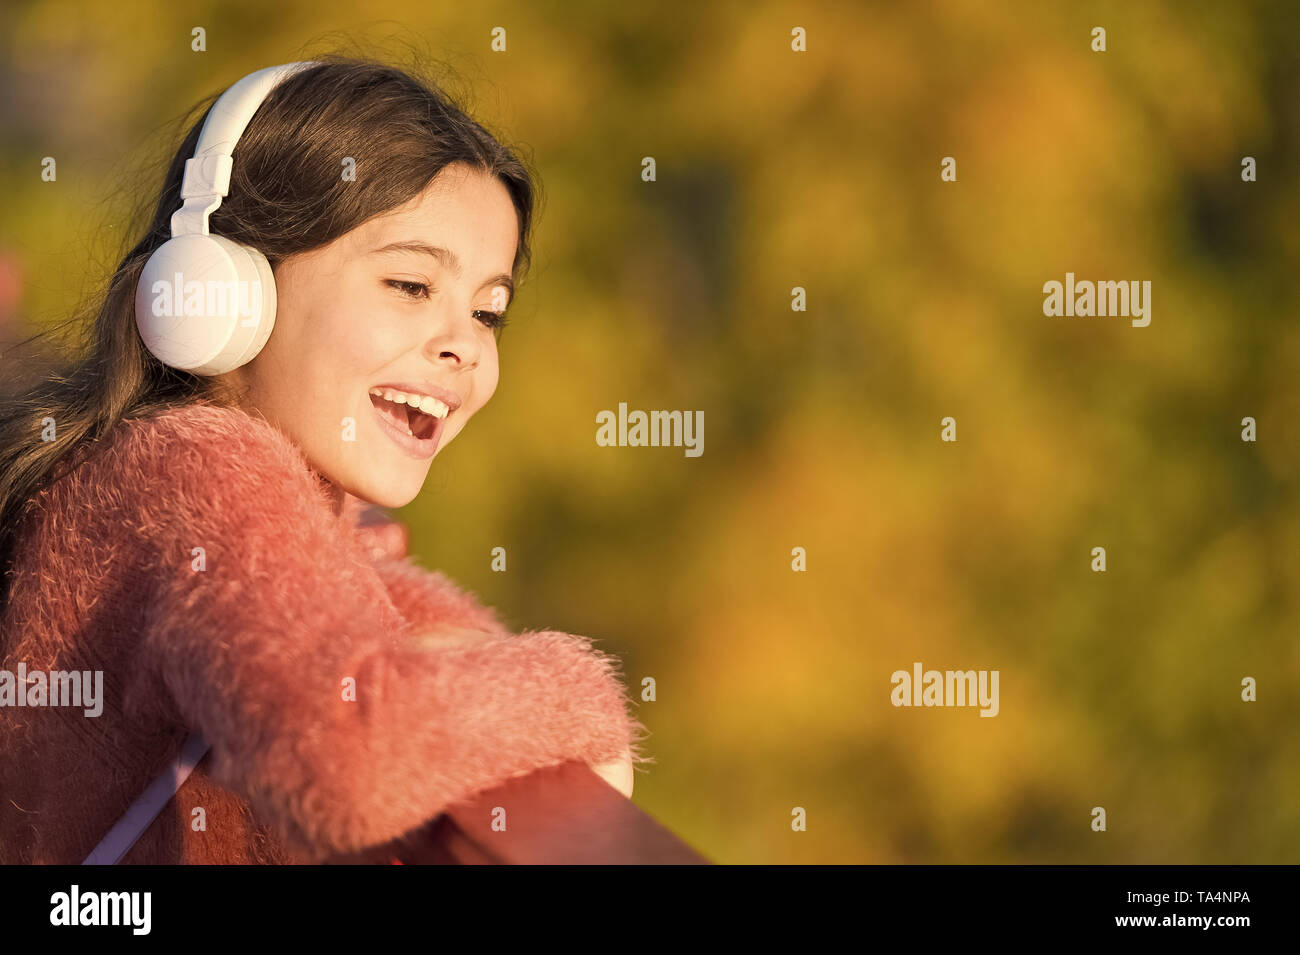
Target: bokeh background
point(820, 169)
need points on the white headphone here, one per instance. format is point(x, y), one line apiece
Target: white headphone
point(206, 304)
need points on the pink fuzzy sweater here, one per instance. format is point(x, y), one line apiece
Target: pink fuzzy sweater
point(255, 651)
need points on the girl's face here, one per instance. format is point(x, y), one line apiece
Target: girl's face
point(402, 307)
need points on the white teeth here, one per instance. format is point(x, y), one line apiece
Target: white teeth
point(426, 403)
point(431, 405)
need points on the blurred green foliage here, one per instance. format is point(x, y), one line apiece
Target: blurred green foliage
point(821, 169)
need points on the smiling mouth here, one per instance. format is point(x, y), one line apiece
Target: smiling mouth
point(405, 418)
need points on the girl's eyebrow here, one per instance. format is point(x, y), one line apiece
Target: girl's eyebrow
point(446, 257)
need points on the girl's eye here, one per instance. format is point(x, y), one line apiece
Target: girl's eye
point(418, 290)
point(414, 290)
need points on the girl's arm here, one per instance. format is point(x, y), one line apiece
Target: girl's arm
point(428, 598)
point(425, 598)
point(287, 654)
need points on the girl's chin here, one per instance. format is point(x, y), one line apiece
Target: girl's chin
point(390, 493)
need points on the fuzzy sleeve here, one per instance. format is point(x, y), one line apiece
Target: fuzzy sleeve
point(284, 651)
point(424, 597)
point(427, 598)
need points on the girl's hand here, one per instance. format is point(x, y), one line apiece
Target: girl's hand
point(618, 773)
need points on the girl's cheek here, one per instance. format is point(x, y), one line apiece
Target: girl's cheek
point(371, 336)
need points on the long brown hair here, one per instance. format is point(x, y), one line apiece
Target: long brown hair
point(287, 195)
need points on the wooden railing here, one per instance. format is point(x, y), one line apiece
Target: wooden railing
point(561, 815)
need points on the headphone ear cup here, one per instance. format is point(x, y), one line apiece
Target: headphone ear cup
point(262, 311)
point(205, 304)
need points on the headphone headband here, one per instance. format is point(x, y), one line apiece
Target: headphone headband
point(204, 303)
point(207, 174)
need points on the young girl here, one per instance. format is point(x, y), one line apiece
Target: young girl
point(193, 533)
